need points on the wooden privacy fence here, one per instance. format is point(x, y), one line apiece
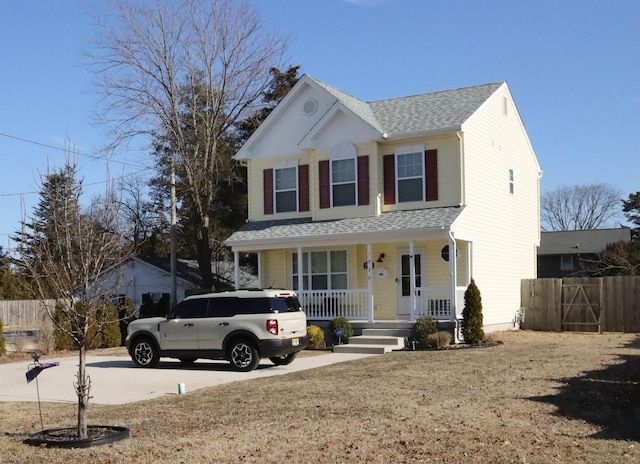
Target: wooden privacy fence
point(587, 304)
point(24, 313)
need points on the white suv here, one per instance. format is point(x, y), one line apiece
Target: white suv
point(241, 326)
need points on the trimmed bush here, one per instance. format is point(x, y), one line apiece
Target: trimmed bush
point(472, 322)
point(441, 339)
point(104, 327)
point(344, 324)
point(423, 329)
point(3, 348)
point(316, 337)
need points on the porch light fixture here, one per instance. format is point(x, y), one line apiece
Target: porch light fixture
point(380, 258)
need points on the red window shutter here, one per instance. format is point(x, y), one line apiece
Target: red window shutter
point(389, 172)
point(363, 180)
point(303, 187)
point(323, 183)
point(431, 167)
point(267, 177)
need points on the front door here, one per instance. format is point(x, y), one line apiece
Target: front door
point(403, 277)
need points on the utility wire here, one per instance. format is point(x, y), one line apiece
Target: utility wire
point(52, 147)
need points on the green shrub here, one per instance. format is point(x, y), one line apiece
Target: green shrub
point(425, 327)
point(3, 348)
point(104, 327)
point(316, 337)
point(344, 324)
point(472, 322)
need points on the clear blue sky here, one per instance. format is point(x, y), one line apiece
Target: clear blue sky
point(573, 67)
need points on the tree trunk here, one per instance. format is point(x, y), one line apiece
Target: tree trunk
point(204, 257)
point(83, 386)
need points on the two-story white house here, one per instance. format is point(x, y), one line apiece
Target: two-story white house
point(385, 210)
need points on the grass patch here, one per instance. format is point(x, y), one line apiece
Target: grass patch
point(536, 398)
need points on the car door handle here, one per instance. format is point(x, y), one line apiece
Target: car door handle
point(189, 324)
point(223, 324)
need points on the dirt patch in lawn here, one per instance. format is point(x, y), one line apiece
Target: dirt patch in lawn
point(536, 398)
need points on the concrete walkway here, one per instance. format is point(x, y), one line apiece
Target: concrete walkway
point(116, 379)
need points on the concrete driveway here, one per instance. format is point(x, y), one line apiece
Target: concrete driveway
point(116, 379)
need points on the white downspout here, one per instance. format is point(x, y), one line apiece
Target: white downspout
point(453, 280)
point(370, 281)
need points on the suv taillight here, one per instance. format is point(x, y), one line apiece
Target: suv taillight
point(272, 326)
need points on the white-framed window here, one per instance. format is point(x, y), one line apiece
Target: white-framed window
point(343, 182)
point(410, 175)
point(566, 263)
point(285, 189)
point(322, 270)
point(511, 182)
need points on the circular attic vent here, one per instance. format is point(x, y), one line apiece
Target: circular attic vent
point(310, 107)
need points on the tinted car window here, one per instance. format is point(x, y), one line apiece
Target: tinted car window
point(285, 304)
point(222, 307)
point(190, 309)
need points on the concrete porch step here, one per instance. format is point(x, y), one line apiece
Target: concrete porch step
point(397, 342)
point(362, 349)
point(388, 332)
point(368, 344)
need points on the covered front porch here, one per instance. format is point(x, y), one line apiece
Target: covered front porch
point(358, 304)
point(398, 265)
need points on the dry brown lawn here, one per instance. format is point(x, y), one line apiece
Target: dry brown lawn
point(536, 398)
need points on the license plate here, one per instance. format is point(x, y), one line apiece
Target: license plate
point(295, 341)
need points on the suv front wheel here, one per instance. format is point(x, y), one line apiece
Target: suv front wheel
point(145, 353)
point(243, 356)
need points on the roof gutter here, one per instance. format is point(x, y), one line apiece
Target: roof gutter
point(407, 135)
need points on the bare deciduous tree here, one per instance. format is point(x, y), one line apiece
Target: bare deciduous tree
point(579, 207)
point(186, 71)
point(64, 256)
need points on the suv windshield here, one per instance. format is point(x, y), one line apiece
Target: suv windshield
point(285, 304)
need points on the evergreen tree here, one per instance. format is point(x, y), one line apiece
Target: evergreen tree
point(472, 323)
point(631, 209)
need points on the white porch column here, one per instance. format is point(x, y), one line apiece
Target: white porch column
point(412, 279)
point(453, 276)
point(370, 280)
point(260, 285)
point(300, 271)
point(236, 270)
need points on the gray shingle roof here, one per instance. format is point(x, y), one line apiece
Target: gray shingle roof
point(580, 241)
point(302, 228)
point(446, 109)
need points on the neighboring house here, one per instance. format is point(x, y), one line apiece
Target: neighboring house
point(565, 253)
point(385, 210)
point(140, 278)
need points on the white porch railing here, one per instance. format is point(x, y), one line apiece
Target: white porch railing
point(436, 302)
point(329, 304)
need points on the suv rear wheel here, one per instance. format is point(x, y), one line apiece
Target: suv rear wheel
point(145, 353)
point(243, 355)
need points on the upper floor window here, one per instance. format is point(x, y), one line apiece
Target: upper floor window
point(410, 176)
point(343, 182)
point(286, 189)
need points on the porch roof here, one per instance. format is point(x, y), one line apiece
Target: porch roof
point(285, 233)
